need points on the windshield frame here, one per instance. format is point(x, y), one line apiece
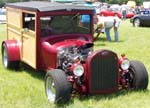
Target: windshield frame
point(69, 12)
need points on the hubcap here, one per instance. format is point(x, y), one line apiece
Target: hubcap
point(137, 22)
point(5, 57)
point(50, 89)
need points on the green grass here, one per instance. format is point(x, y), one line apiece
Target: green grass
point(25, 88)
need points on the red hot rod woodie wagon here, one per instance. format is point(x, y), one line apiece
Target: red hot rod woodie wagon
point(51, 36)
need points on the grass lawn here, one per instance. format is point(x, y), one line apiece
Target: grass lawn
point(25, 88)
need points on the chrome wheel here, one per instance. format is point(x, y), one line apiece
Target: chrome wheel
point(5, 56)
point(137, 22)
point(50, 89)
point(7, 62)
point(57, 87)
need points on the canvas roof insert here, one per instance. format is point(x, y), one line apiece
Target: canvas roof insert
point(47, 6)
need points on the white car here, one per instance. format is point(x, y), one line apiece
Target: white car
point(2, 16)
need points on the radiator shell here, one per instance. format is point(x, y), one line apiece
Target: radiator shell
point(102, 72)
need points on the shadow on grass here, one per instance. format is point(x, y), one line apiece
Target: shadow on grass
point(65, 104)
point(34, 73)
point(111, 96)
point(102, 41)
point(84, 98)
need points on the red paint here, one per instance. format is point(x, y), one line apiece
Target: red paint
point(114, 13)
point(47, 47)
point(13, 49)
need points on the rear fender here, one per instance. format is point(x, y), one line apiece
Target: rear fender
point(13, 49)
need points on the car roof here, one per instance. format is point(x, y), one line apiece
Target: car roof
point(47, 6)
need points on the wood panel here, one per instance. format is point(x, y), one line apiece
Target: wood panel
point(14, 17)
point(29, 49)
point(26, 39)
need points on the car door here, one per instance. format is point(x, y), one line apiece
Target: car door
point(29, 39)
point(110, 12)
point(147, 20)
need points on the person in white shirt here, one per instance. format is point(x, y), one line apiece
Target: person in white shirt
point(107, 23)
point(123, 10)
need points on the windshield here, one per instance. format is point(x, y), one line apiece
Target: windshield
point(65, 24)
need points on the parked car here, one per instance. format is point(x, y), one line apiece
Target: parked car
point(110, 12)
point(115, 12)
point(141, 20)
point(2, 16)
point(145, 11)
point(130, 14)
point(48, 36)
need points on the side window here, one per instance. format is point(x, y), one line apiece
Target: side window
point(29, 21)
point(45, 26)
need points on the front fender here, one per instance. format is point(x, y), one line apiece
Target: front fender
point(13, 49)
point(49, 55)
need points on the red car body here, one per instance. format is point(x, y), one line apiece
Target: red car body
point(50, 47)
point(115, 13)
point(130, 14)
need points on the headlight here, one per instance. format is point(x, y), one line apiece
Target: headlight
point(78, 70)
point(125, 64)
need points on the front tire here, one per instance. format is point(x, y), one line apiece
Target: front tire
point(5, 59)
point(56, 86)
point(139, 75)
point(136, 22)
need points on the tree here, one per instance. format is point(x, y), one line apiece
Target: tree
point(139, 2)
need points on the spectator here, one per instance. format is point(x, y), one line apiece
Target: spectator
point(107, 23)
point(123, 10)
point(137, 10)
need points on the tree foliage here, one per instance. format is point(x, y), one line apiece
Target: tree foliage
point(138, 2)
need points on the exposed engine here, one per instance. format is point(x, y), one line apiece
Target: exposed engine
point(72, 54)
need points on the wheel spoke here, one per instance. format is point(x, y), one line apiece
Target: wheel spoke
point(56, 86)
point(50, 89)
point(137, 22)
point(5, 57)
